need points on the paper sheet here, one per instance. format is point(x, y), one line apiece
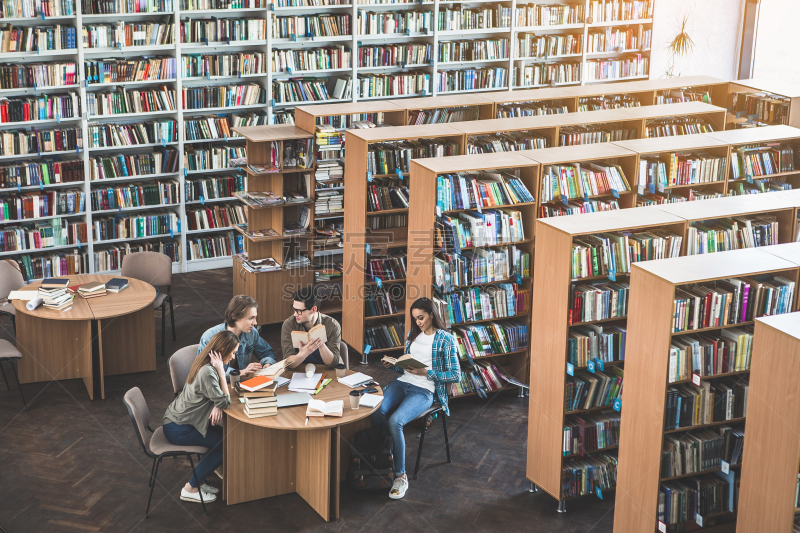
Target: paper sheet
point(370, 400)
point(300, 383)
point(22, 295)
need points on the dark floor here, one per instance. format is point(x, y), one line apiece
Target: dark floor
point(71, 465)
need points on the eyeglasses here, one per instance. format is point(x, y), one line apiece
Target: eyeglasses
point(299, 311)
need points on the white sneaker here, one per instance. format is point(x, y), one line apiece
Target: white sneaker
point(209, 489)
point(219, 472)
point(399, 488)
point(195, 496)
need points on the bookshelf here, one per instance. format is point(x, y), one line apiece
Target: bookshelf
point(424, 211)
point(269, 146)
point(359, 245)
point(651, 320)
point(757, 102)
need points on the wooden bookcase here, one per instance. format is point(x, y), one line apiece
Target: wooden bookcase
point(552, 286)
point(650, 324)
point(423, 213)
point(264, 286)
point(359, 243)
point(785, 91)
point(483, 106)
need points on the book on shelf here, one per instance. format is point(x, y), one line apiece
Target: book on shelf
point(495, 338)
point(260, 199)
point(476, 229)
point(721, 400)
point(586, 390)
point(482, 265)
point(608, 254)
point(598, 301)
point(762, 107)
point(674, 169)
point(731, 234)
point(589, 433)
point(571, 181)
point(469, 190)
point(608, 101)
point(301, 227)
point(505, 142)
point(501, 300)
point(756, 161)
point(386, 334)
point(705, 495)
point(258, 265)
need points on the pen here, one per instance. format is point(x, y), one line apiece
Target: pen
point(306, 420)
point(67, 309)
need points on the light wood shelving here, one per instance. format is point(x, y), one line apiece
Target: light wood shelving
point(773, 90)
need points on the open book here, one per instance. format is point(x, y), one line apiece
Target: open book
point(320, 408)
point(404, 362)
point(273, 371)
point(317, 332)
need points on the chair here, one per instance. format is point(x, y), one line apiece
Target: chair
point(159, 447)
point(9, 352)
point(343, 354)
point(427, 418)
point(156, 269)
point(179, 365)
point(10, 280)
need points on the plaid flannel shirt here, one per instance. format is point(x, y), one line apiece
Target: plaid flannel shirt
point(446, 367)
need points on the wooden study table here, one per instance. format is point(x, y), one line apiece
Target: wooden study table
point(274, 455)
point(103, 336)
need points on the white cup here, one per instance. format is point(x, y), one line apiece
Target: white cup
point(310, 369)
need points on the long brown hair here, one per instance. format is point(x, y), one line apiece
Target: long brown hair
point(424, 304)
point(223, 343)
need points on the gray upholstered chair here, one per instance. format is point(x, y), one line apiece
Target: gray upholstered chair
point(9, 353)
point(158, 446)
point(344, 355)
point(179, 365)
point(10, 280)
point(156, 269)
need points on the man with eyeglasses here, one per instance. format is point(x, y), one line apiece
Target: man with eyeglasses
point(306, 315)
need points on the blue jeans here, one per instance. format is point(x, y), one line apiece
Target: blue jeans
point(187, 435)
point(402, 403)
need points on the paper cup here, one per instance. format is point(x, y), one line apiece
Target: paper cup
point(341, 370)
point(355, 399)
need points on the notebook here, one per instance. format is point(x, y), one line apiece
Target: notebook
point(294, 398)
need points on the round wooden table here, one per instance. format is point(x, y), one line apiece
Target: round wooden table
point(102, 336)
point(274, 455)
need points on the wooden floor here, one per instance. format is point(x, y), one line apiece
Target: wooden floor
point(73, 465)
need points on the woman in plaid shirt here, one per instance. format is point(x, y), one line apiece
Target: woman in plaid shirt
point(412, 393)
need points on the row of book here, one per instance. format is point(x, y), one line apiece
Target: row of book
point(388, 221)
point(585, 475)
point(618, 39)
point(388, 22)
point(124, 34)
point(758, 187)
point(135, 226)
point(758, 161)
point(530, 45)
point(598, 301)
point(502, 300)
point(575, 207)
point(218, 245)
point(394, 55)
point(682, 501)
point(713, 401)
point(442, 115)
point(614, 10)
point(213, 187)
point(385, 194)
point(116, 135)
point(405, 83)
point(587, 390)
point(671, 127)
point(333, 57)
point(474, 229)
point(731, 301)
point(302, 90)
point(592, 134)
point(608, 101)
point(505, 142)
point(681, 195)
point(608, 254)
point(543, 74)
point(480, 266)
point(389, 267)
point(478, 18)
point(532, 109)
point(215, 217)
point(732, 233)
point(549, 15)
point(388, 157)
point(228, 64)
point(724, 352)
point(670, 170)
point(213, 158)
point(17, 142)
point(494, 338)
point(582, 180)
point(22, 75)
point(475, 50)
point(162, 161)
point(222, 30)
point(292, 27)
point(42, 172)
point(53, 265)
point(136, 195)
point(587, 434)
point(593, 342)
point(471, 79)
point(223, 96)
point(35, 8)
point(205, 5)
point(384, 334)
point(122, 70)
point(619, 68)
point(131, 101)
point(215, 127)
point(40, 107)
point(762, 107)
point(474, 189)
point(112, 7)
point(37, 38)
point(111, 257)
point(479, 379)
point(382, 301)
point(701, 451)
point(56, 232)
point(42, 204)
point(689, 94)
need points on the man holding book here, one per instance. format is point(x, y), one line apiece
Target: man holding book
point(240, 319)
point(309, 336)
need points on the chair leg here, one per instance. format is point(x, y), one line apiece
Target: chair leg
point(446, 441)
point(199, 485)
point(153, 486)
point(4, 374)
point(14, 368)
point(419, 451)
point(150, 483)
point(172, 319)
point(163, 327)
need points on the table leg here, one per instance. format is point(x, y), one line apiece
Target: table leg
point(98, 383)
point(314, 469)
point(129, 343)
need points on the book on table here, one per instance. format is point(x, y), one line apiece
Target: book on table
point(92, 289)
point(405, 361)
point(54, 283)
point(256, 383)
point(116, 285)
point(260, 407)
point(320, 408)
point(317, 332)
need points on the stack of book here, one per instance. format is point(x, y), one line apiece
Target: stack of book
point(55, 295)
point(259, 199)
point(92, 289)
point(329, 169)
point(261, 265)
point(260, 403)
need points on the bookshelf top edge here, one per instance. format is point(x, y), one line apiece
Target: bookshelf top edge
point(462, 163)
point(788, 323)
point(275, 132)
point(618, 220)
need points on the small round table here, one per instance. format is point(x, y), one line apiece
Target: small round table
point(97, 337)
point(274, 455)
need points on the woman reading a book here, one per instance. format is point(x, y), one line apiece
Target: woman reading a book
point(193, 418)
point(410, 395)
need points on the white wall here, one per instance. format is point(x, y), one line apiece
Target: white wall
point(714, 26)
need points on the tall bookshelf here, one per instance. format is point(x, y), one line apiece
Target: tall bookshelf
point(424, 211)
point(262, 141)
point(757, 102)
point(360, 245)
point(651, 319)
